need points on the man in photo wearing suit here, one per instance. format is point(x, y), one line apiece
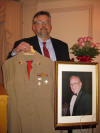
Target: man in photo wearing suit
point(81, 101)
point(41, 26)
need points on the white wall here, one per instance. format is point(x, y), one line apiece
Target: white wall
point(71, 19)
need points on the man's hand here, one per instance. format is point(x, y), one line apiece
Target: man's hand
point(23, 46)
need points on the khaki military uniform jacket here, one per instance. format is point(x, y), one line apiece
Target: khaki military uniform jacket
point(30, 98)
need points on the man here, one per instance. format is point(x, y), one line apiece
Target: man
point(57, 50)
point(81, 102)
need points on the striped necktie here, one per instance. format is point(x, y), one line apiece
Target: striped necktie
point(45, 50)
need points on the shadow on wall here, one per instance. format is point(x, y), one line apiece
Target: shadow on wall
point(1, 74)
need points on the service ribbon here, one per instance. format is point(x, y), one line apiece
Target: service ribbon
point(29, 67)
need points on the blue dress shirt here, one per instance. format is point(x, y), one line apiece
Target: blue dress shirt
point(49, 47)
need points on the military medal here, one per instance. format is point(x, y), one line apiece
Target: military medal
point(39, 81)
point(46, 81)
point(42, 78)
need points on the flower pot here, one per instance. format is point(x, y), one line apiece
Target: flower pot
point(84, 59)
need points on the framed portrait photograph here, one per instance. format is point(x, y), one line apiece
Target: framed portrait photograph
point(76, 94)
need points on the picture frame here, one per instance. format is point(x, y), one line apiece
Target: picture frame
point(87, 114)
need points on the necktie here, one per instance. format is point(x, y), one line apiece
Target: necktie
point(45, 50)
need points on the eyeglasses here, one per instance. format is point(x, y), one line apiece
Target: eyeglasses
point(42, 22)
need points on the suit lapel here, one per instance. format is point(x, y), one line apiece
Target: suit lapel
point(35, 44)
point(55, 47)
point(77, 100)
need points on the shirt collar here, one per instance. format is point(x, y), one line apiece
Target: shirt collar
point(40, 40)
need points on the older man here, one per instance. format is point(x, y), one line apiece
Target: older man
point(81, 102)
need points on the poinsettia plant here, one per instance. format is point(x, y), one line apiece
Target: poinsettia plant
point(85, 47)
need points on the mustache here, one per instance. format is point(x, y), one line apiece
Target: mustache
point(43, 28)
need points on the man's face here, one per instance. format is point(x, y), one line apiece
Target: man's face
point(75, 84)
point(42, 26)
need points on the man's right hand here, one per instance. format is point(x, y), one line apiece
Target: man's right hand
point(23, 46)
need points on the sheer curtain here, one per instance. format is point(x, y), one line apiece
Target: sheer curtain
point(2, 34)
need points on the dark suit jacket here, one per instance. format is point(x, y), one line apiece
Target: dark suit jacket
point(60, 48)
point(83, 104)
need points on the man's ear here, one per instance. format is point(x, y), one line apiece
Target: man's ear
point(51, 27)
point(81, 84)
point(33, 28)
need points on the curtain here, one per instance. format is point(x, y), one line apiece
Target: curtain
point(10, 28)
